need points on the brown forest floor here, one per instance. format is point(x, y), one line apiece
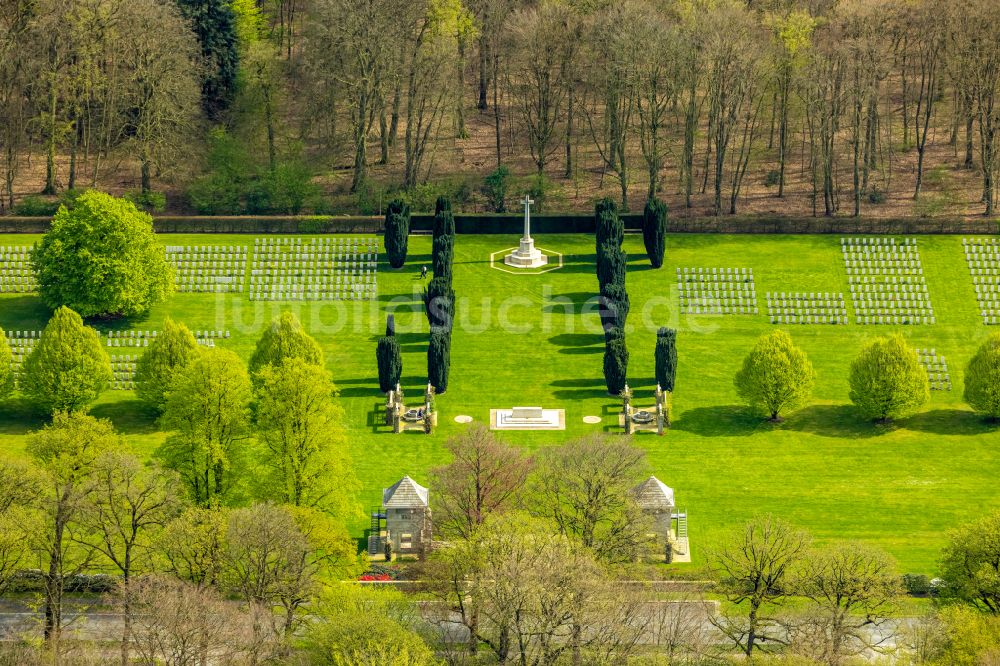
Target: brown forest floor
point(948, 189)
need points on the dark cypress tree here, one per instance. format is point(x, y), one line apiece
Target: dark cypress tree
point(611, 265)
point(397, 232)
point(615, 364)
point(390, 325)
point(439, 303)
point(443, 256)
point(654, 230)
point(439, 359)
point(390, 362)
point(609, 226)
point(444, 220)
point(666, 358)
point(214, 23)
point(613, 306)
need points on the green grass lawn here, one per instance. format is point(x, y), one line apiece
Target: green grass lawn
point(532, 340)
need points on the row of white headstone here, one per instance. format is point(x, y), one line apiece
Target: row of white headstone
point(17, 276)
point(839, 319)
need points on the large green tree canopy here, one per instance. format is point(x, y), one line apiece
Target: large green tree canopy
point(887, 380)
point(101, 258)
point(285, 339)
point(68, 368)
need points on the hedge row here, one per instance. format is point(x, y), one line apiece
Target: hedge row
point(540, 224)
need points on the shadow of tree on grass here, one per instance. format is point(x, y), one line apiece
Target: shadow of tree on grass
point(837, 421)
point(950, 422)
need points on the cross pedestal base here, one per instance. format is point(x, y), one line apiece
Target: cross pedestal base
point(526, 256)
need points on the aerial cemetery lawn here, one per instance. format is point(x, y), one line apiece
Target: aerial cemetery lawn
point(535, 339)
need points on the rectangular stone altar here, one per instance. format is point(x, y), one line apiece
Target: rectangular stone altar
point(527, 418)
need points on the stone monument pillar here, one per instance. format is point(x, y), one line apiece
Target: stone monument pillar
point(526, 255)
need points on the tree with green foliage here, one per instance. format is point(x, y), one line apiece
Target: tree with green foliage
point(610, 228)
point(214, 23)
point(615, 365)
point(66, 451)
point(982, 379)
point(68, 369)
point(276, 558)
point(444, 219)
point(654, 230)
point(439, 303)
point(887, 380)
point(397, 232)
point(302, 431)
point(776, 375)
point(283, 339)
point(970, 565)
point(443, 256)
point(101, 258)
point(611, 265)
point(168, 354)
point(6, 366)
point(613, 306)
point(665, 358)
point(356, 624)
point(390, 362)
point(495, 189)
point(192, 545)
point(390, 325)
point(208, 412)
point(439, 359)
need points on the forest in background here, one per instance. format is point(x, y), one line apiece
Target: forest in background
point(790, 107)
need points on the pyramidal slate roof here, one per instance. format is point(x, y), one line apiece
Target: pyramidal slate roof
point(654, 494)
point(405, 494)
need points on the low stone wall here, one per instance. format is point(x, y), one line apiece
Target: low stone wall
point(540, 224)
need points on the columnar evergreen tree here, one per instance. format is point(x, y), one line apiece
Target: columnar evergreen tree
point(609, 226)
point(982, 379)
point(615, 363)
point(443, 256)
point(613, 307)
point(285, 338)
point(169, 353)
point(665, 358)
point(887, 380)
point(390, 325)
point(444, 219)
point(6, 367)
point(776, 375)
point(654, 230)
point(101, 258)
point(214, 23)
point(439, 359)
point(68, 368)
point(611, 265)
point(390, 362)
point(397, 232)
point(439, 303)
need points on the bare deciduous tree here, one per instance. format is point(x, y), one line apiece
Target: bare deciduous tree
point(853, 589)
point(483, 478)
point(754, 568)
point(585, 488)
point(180, 624)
